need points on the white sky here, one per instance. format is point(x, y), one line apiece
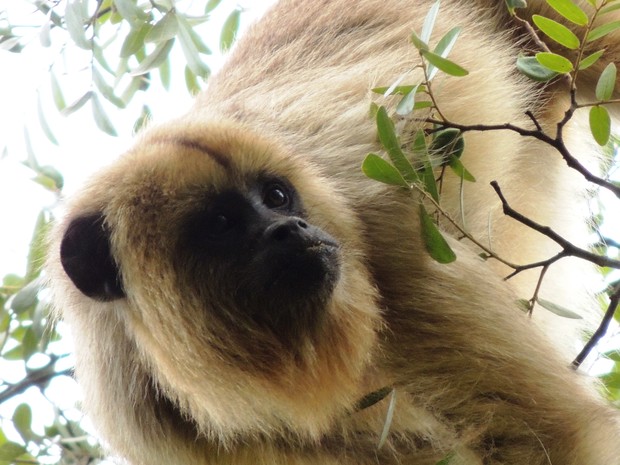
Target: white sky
point(82, 147)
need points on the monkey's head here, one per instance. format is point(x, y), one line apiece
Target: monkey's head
point(225, 272)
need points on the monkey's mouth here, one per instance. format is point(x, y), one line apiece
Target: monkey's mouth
point(308, 270)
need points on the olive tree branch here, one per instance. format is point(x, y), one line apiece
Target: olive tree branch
point(568, 248)
point(601, 330)
point(38, 377)
point(557, 143)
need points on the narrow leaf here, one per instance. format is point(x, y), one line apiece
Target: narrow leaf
point(229, 30)
point(446, 143)
point(443, 48)
point(75, 24)
point(192, 56)
point(558, 309)
point(407, 103)
point(79, 103)
point(191, 81)
point(101, 118)
point(557, 32)
point(130, 11)
point(380, 170)
point(434, 242)
point(105, 89)
point(388, 138)
point(211, 5)
point(59, 99)
point(600, 124)
point(609, 9)
point(554, 62)
point(165, 29)
point(603, 30)
point(401, 90)
point(606, 83)
point(429, 22)
point(590, 59)
point(459, 169)
point(43, 122)
point(388, 420)
point(570, 11)
point(445, 65)
point(155, 59)
point(418, 42)
point(135, 40)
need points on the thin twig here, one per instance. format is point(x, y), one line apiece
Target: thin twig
point(601, 331)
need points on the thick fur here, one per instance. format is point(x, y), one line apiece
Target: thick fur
point(167, 381)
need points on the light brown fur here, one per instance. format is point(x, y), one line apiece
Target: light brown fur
point(166, 382)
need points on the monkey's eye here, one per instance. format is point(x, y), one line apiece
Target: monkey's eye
point(275, 196)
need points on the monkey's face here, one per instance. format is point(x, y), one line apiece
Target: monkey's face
point(235, 270)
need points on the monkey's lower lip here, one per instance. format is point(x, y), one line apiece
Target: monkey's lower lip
point(305, 269)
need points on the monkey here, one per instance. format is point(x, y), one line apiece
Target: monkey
point(239, 292)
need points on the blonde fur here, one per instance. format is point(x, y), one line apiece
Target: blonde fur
point(167, 382)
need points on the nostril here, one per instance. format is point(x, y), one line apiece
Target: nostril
point(281, 232)
point(302, 224)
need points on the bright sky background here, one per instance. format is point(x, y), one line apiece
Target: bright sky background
point(82, 146)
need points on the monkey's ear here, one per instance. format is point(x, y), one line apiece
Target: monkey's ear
point(86, 258)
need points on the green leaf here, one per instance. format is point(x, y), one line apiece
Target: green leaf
point(600, 124)
point(447, 460)
point(556, 31)
point(602, 31)
point(212, 5)
point(570, 11)
point(446, 143)
point(164, 74)
point(142, 120)
point(388, 420)
point(229, 30)
point(130, 11)
point(101, 118)
point(434, 242)
point(418, 43)
point(155, 59)
point(558, 309)
point(75, 24)
point(135, 40)
point(407, 103)
point(165, 29)
point(9, 451)
point(26, 297)
point(105, 89)
point(401, 90)
point(22, 421)
point(191, 81)
point(38, 244)
point(554, 62)
point(43, 122)
point(30, 343)
point(459, 169)
point(389, 140)
point(606, 83)
point(429, 22)
point(609, 9)
point(590, 59)
point(380, 170)
point(192, 56)
point(514, 4)
point(443, 48)
point(445, 65)
point(59, 99)
point(79, 103)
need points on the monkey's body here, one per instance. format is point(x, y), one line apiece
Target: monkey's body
point(188, 355)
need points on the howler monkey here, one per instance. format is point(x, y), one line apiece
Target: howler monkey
point(240, 293)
